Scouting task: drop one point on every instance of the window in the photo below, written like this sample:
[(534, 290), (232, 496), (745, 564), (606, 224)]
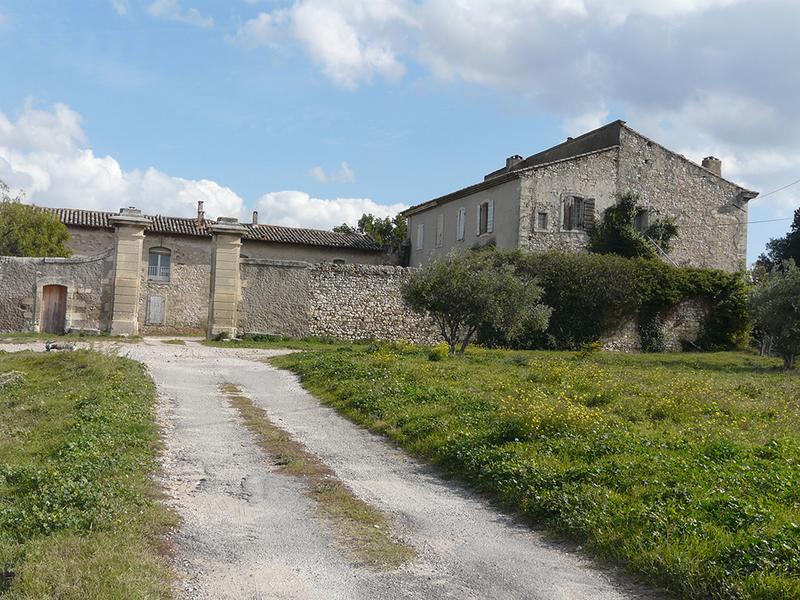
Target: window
[(486, 217), (641, 221), (439, 230), (158, 264), (420, 236), (541, 221), (573, 213), (462, 217)]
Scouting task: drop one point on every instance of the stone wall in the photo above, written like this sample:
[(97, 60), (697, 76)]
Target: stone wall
[(187, 291), (350, 302), (545, 188), (88, 283), (682, 323), (86, 241), (710, 213)]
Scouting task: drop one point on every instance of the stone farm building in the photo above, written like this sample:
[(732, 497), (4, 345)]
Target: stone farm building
[(552, 199), (136, 274)]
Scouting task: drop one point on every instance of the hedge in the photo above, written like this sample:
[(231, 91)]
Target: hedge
[(593, 294)]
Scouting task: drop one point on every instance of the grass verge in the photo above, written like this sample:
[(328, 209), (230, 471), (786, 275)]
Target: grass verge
[(79, 511), (358, 526), (265, 341), (684, 468), (175, 342), (24, 338)]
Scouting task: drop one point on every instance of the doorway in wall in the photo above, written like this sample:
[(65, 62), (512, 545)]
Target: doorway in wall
[(54, 308)]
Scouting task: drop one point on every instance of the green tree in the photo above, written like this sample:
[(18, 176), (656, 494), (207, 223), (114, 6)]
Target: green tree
[(780, 250), (775, 306), (388, 231), (467, 291), (28, 231), (618, 234)]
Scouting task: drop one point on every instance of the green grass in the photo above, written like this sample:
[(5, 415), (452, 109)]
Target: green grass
[(279, 342), (174, 342), (79, 513), (23, 338), (683, 468)]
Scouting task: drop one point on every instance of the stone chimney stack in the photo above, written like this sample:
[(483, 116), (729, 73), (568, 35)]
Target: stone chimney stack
[(255, 217), (513, 161), (713, 164), (201, 214)]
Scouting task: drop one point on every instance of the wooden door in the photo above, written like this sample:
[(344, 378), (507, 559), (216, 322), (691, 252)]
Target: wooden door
[(156, 312), (54, 308)]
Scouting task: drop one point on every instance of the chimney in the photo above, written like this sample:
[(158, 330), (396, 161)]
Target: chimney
[(201, 214), (713, 164), (512, 161), (255, 217)]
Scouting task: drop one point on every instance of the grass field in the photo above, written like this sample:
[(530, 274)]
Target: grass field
[(78, 513), (683, 468)]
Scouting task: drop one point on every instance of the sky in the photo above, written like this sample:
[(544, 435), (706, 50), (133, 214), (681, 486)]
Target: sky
[(315, 111)]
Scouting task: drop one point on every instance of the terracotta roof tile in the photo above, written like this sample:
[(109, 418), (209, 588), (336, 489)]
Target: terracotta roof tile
[(183, 226)]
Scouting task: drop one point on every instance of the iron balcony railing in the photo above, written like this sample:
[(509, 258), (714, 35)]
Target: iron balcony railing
[(158, 273)]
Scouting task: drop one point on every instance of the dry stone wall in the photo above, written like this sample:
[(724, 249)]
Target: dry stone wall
[(349, 302), (683, 323)]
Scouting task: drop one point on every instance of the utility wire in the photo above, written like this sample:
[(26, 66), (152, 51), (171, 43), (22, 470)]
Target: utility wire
[(780, 189)]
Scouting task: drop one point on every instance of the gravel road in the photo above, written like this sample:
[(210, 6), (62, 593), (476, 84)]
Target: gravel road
[(250, 532)]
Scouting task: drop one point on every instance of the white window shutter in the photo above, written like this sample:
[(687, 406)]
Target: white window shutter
[(490, 217), (439, 230), (420, 236), (478, 220), (462, 213)]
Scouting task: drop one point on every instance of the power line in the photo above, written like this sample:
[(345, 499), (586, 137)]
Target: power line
[(780, 189), (735, 224)]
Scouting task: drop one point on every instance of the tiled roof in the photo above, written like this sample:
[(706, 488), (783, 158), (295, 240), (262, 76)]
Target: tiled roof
[(183, 226), (309, 237)]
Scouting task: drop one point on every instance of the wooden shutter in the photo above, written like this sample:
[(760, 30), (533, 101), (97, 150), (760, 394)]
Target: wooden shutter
[(462, 214), (490, 217), (420, 236), (568, 202), (156, 312), (478, 220), (588, 214), (439, 230)]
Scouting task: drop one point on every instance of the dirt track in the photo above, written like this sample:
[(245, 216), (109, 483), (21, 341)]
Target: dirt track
[(249, 532)]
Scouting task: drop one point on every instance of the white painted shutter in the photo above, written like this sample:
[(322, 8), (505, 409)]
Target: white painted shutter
[(462, 214), (490, 217), (478, 220), (439, 230), (156, 312), (420, 236)]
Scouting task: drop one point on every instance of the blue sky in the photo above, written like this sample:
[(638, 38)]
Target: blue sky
[(315, 111)]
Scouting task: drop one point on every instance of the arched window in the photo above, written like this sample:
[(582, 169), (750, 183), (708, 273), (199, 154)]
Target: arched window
[(158, 264)]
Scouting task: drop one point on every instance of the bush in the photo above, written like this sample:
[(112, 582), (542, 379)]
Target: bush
[(775, 305), (591, 295), (466, 291)]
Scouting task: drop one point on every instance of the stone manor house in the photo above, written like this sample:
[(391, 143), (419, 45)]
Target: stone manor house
[(552, 199), (137, 274)]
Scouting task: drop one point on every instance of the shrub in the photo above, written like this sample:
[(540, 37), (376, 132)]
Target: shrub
[(592, 295), (775, 305), (465, 291)]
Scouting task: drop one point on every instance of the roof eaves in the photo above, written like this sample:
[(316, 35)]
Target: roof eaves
[(466, 191)]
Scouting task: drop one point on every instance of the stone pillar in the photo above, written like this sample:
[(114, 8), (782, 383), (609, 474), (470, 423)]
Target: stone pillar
[(129, 225), (225, 289)]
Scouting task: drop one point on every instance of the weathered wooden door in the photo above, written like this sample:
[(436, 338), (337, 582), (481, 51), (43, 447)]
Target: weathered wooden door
[(156, 312), (54, 308)]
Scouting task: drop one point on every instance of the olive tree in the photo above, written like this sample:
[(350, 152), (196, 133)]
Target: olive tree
[(466, 291), (29, 231), (775, 307)]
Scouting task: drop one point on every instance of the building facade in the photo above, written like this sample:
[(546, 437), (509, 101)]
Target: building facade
[(551, 200)]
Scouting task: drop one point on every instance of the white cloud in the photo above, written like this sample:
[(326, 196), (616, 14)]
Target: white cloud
[(298, 209), (173, 11), (46, 153), (121, 6), (345, 174), (262, 30)]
